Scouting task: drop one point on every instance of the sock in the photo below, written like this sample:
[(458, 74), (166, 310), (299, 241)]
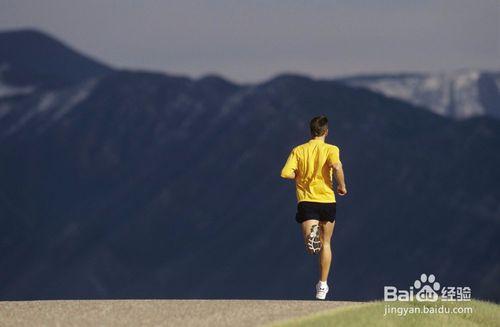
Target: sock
[(322, 283)]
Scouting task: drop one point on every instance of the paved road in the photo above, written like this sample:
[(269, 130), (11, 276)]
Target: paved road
[(189, 313)]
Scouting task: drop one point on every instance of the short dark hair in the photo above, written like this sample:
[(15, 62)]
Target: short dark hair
[(318, 126)]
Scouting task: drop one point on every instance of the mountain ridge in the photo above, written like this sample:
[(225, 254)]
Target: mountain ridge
[(55, 63), (157, 186)]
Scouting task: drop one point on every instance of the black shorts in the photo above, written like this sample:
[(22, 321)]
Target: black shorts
[(315, 210)]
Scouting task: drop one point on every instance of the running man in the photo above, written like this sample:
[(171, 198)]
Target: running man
[(312, 165)]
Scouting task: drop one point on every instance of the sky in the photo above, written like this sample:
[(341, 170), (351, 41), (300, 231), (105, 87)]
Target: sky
[(253, 40)]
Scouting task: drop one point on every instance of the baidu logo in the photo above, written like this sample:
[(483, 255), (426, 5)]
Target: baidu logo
[(427, 289)]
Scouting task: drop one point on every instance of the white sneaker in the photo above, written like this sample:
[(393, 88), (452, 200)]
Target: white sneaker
[(321, 290), (313, 240)]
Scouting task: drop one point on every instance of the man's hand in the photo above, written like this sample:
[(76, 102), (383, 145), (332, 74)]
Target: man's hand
[(341, 190), (338, 173)]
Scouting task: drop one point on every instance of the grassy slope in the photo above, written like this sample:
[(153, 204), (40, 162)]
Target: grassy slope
[(372, 314)]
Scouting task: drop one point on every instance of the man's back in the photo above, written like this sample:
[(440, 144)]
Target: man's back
[(311, 163)]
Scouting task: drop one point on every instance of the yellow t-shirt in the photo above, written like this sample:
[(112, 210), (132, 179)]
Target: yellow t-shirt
[(312, 163)]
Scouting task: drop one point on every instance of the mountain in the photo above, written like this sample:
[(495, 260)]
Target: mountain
[(461, 94), (135, 184), (31, 59)]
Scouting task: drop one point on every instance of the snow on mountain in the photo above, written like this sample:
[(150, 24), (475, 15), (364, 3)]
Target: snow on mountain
[(10, 90), (460, 94), (47, 106)]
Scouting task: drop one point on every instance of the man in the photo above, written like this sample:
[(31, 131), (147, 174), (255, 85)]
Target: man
[(312, 165)]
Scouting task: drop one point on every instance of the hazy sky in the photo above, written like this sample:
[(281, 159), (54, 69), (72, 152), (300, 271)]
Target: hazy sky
[(252, 40)]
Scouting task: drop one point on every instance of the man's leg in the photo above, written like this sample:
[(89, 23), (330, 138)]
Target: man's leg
[(307, 227), (325, 255)]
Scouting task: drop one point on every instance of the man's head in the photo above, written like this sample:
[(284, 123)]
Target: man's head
[(319, 126)]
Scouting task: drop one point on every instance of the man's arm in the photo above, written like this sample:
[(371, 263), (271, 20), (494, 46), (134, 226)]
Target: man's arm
[(338, 173), (290, 167)]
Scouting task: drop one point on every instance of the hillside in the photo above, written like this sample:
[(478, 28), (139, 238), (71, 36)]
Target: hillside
[(142, 185), (483, 314)]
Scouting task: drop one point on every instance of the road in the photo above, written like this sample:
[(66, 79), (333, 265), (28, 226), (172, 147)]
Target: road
[(189, 313)]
